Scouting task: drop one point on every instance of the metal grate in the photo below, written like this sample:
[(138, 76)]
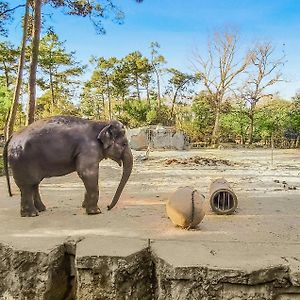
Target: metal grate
[(223, 201)]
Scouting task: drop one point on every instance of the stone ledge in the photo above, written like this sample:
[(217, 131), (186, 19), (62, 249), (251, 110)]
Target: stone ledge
[(101, 267), (208, 271)]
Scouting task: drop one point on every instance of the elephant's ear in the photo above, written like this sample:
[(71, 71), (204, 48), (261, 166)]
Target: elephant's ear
[(106, 137)]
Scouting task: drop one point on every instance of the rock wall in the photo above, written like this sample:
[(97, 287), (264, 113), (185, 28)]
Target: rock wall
[(119, 268), (124, 268), (39, 274), (206, 284)]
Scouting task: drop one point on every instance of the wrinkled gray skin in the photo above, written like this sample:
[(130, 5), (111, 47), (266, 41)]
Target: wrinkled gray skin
[(60, 145)]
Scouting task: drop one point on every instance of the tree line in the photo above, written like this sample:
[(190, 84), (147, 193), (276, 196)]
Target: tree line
[(224, 98)]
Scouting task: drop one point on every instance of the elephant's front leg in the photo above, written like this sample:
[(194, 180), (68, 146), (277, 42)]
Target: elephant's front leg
[(89, 176)]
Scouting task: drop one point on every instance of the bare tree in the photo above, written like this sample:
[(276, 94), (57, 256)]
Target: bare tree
[(219, 70), (14, 106), (263, 73)]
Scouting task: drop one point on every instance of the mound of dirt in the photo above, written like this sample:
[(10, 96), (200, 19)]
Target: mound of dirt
[(198, 160)]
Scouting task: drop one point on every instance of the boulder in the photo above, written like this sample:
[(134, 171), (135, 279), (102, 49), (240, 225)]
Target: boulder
[(138, 138)]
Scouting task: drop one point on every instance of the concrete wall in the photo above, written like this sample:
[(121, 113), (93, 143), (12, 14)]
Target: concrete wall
[(157, 138)]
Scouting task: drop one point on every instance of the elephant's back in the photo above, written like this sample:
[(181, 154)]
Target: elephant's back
[(48, 127), (50, 135)]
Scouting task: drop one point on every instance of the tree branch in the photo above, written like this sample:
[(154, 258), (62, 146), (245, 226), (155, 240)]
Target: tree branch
[(2, 13)]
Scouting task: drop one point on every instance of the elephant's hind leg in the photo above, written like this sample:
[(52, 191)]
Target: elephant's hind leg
[(27, 203), (39, 205)]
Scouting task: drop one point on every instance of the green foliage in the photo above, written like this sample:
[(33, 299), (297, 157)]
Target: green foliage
[(203, 109), (92, 102), (108, 80), (95, 10), (271, 118), (112, 81), (161, 116), (8, 63), (6, 97), (59, 77), (5, 103), (138, 71), (234, 123), (63, 106), (293, 122), (178, 84), (133, 113)]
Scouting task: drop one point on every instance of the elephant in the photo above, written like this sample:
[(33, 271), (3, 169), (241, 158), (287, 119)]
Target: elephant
[(61, 145)]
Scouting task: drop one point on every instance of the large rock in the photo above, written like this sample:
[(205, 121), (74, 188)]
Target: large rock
[(36, 269), (179, 141), (157, 138), (209, 271), (114, 268), (138, 138), (168, 138)]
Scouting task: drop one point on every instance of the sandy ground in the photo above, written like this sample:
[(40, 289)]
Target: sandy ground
[(266, 223)]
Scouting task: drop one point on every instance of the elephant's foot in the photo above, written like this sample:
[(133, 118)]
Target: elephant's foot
[(29, 212), (40, 206), (93, 211)]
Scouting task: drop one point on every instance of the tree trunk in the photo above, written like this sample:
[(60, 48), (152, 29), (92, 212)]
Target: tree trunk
[(297, 141), (98, 110), (6, 126), (109, 100), (14, 106), (147, 91), (103, 104), (52, 90), (175, 95), (137, 87), (251, 126), (158, 90), (51, 84), (215, 134), (34, 61), (173, 102), (6, 74)]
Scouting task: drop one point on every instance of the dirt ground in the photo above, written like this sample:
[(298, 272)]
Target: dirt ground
[(268, 191)]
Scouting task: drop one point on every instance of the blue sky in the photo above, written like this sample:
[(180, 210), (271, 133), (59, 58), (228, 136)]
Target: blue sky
[(181, 25)]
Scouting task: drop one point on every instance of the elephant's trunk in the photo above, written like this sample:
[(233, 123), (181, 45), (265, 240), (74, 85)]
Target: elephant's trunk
[(127, 168)]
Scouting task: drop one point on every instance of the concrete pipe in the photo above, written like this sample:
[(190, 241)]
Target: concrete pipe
[(223, 200), (185, 207)]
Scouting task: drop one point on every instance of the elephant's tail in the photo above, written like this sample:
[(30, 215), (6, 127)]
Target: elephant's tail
[(5, 163)]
